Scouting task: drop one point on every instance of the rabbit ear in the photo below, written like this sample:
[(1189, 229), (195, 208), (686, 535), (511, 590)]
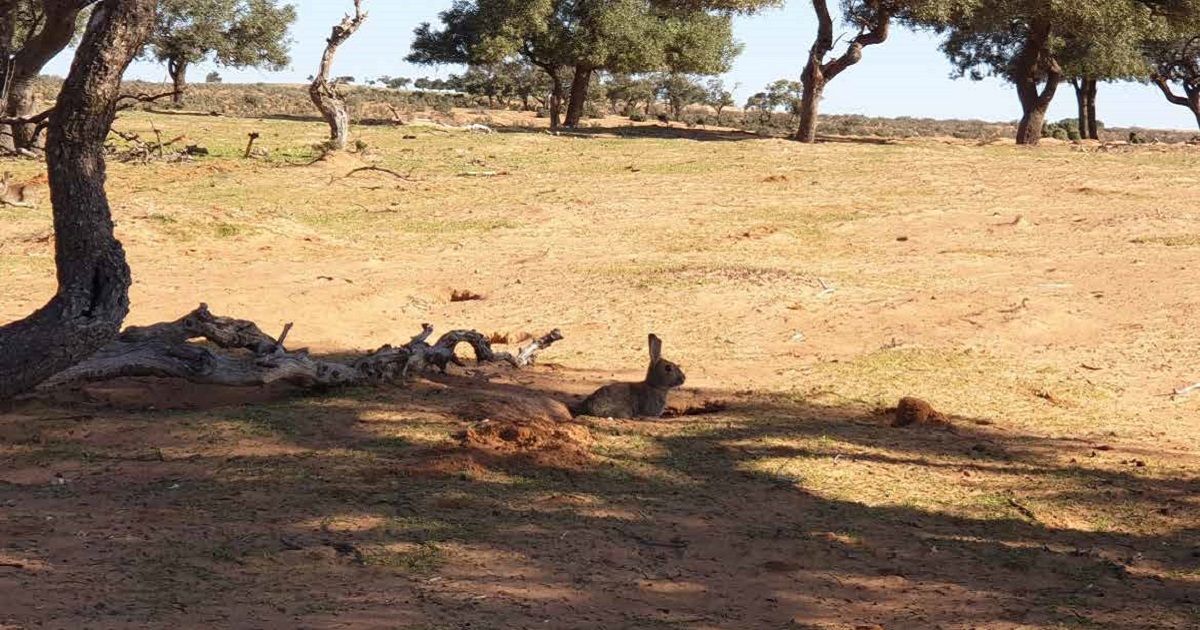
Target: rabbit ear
[(655, 348)]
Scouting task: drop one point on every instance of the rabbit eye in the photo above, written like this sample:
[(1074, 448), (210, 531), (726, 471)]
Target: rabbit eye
[(668, 368)]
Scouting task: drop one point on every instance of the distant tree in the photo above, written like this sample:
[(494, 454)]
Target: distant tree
[(1089, 58), (213, 77), (872, 19), (235, 33), (1026, 42), (323, 92), (582, 38), (760, 102), (679, 91), (1176, 62), (395, 83), (32, 32), (717, 97), (345, 79), (627, 93), (788, 96)]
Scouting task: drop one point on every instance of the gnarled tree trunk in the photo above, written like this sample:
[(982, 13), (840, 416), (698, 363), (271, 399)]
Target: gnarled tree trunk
[(579, 94), (324, 94), (1035, 65), (818, 73), (93, 277)]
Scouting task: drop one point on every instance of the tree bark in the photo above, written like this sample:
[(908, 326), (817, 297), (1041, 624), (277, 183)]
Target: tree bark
[(818, 73), (93, 277), (324, 94), (1093, 124), (579, 94), (177, 68), (810, 101), (1081, 102), (1034, 61), (8, 27), (556, 99)]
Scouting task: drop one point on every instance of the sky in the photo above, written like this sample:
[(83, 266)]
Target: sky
[(905, 76)]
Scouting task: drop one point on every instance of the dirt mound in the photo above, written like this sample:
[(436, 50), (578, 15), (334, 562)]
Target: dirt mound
[(514, 407), (912, 411), (528, 435)]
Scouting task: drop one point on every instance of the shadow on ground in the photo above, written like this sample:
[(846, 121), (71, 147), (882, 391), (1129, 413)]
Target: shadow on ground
[(355, 509)]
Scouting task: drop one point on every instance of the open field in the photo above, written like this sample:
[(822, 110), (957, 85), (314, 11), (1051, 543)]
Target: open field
[(1045, 299)]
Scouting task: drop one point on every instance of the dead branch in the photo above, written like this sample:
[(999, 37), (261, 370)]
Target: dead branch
[(237, 352), (253, 135), (141, 151), (128, 101), (528, 354)]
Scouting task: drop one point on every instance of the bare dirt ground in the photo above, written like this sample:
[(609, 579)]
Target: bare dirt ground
[(1045, 301)]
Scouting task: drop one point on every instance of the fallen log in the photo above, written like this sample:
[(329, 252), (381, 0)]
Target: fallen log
[(211, 349)]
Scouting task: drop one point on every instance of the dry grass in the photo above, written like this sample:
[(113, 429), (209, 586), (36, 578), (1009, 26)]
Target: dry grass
[(810, 286)]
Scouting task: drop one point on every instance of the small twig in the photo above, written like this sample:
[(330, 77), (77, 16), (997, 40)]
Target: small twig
[(381, 170), (287, 328), (528, 354), (825, 288), (1026, 512)]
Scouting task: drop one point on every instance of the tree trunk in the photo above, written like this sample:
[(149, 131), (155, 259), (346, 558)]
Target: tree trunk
[(53, 34), (814, 85), (8, 28), (556, 93), (178, 68), (817, 73), (93, 277), (20, 105), (324, 94), (1034, 61), (1081, 101), (1093, 125), (579, 94)]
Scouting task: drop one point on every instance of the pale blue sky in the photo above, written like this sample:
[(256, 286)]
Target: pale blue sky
[(906, 76)]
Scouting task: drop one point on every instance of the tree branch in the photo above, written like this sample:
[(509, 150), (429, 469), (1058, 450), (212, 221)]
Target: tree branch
[(1172, 97), (875, 33)]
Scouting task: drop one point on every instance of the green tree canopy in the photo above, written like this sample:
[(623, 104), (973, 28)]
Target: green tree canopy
[(234, 33), (1035, 44), (582, 37)]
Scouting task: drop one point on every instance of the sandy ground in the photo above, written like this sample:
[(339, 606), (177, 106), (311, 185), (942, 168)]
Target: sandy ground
[(1044, 300)]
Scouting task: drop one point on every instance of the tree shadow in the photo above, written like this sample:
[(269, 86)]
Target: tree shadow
[(354, 508)]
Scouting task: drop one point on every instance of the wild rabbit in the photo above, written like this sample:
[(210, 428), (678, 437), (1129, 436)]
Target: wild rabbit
[(634, 400), (14, 194)]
